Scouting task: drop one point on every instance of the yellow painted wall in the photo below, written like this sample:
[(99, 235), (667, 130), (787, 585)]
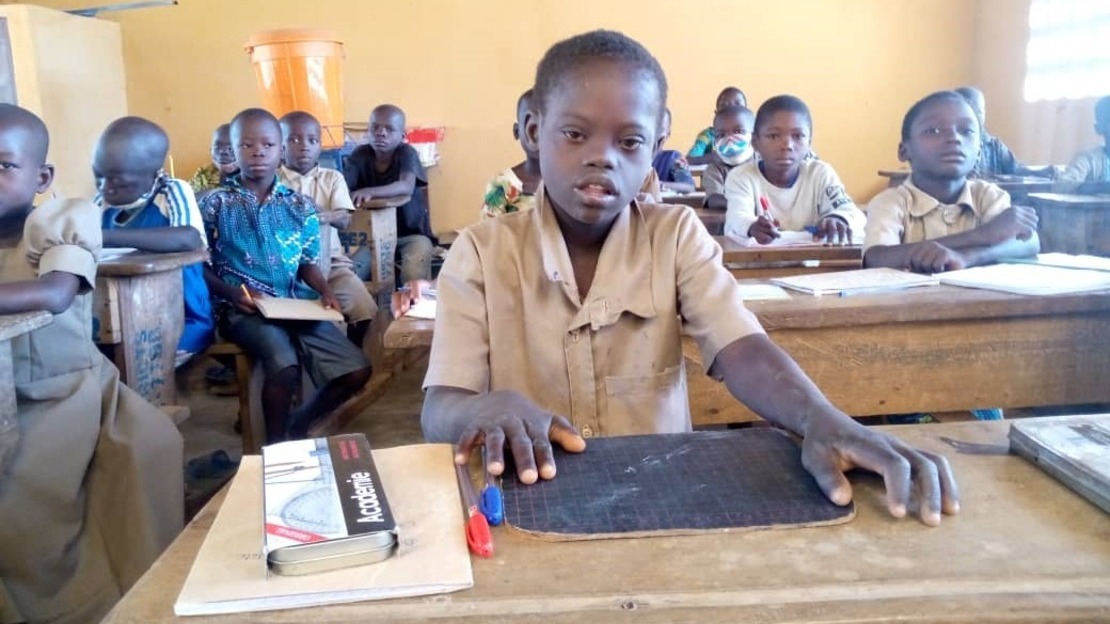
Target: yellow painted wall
[(69, 71), (1038, 132), (462, 63)]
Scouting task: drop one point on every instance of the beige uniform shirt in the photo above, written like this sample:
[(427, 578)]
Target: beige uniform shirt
[(906, 214), (510, 317), (817, 193), (328, 190)]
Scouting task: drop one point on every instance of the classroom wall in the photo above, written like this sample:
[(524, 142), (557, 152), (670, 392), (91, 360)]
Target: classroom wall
[(462, 63), (69, 71), (1037, 132)]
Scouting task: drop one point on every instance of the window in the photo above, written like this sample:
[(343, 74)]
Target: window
[(1069, 49)]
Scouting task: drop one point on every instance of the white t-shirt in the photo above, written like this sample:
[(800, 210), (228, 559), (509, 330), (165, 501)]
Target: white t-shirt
[(816, 193)]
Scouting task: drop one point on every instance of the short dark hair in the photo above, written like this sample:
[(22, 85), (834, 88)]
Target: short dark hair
[(932, 98), (728, 90), (1102, 108), (254, 114), (525, 100), (734, 109), (782, 103), (607, 45), (297, 117), (16, 116)]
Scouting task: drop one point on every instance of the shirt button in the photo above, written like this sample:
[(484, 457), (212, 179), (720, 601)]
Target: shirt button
[(587, 432)]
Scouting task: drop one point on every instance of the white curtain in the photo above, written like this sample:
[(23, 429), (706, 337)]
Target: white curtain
[(1068, 55)]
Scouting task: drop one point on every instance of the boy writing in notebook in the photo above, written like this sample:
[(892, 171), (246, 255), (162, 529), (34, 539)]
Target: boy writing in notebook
[(301, 172), (266, 243), (1090, 167), (591, 291), (388, 167), (732, 125), (939, 219), (146, 209), (787, 188)]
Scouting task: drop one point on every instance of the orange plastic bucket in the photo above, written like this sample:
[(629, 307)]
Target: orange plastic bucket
[(301, 69)]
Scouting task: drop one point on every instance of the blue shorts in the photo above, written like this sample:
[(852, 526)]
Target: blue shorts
[(318, 346)]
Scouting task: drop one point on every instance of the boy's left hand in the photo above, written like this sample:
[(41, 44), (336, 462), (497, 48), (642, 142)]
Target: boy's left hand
[(831, 447), (833, 231), (328, 300)]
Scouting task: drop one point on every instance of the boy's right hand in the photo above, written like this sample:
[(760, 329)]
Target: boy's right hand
[(763, 230), (408, 295), (932, 257), (361, 196), (507, 416), (245, 300), (1018, 222)]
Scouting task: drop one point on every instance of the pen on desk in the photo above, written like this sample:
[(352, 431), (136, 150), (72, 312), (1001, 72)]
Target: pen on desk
[(478, 536), (491, 503)]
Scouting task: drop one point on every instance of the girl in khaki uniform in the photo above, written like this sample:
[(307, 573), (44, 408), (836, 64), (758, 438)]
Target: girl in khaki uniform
[(91, 487)]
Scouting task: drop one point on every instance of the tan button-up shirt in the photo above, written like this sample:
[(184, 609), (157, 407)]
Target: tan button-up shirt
[(510, 317), (328, 190), (906, 214)]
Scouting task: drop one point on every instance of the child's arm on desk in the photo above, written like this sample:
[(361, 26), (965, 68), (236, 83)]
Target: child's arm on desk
[(495, 419), (159, 239), (336, 218), (763, 377), (53, 292), (405, 185)]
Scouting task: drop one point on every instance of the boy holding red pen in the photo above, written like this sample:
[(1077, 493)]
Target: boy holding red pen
[(785, 190)]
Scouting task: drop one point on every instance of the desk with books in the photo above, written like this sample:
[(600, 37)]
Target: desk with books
[(139, 311), (1074, 224), (1023, 548), (935, 348)]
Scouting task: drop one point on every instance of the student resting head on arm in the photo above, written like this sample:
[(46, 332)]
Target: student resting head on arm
[(566, 321), (938, 219)]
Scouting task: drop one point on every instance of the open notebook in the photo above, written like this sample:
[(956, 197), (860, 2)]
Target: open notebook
[(296, 309), (862, 281), (1029, 279)]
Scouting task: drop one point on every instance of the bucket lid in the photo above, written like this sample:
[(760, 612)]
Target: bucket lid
[(291, 35)]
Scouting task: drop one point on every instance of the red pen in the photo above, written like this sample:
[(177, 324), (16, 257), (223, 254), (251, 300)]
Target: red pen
[(766, 206), (478, 536)]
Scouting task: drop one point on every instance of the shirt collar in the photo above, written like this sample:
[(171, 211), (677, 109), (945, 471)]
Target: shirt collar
[(924, 203), (296, 176), (234, 182), (623, 279)]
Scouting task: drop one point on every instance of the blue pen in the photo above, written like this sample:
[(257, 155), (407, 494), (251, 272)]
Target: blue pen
[(491, 503), (812, 229)]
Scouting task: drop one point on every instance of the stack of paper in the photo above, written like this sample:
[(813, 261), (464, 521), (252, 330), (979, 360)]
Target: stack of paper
[(229, 574), (1067, 261), (855, 282), (1029, 279)]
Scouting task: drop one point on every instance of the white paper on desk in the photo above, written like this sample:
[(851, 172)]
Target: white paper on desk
[(761, 292), (229, 573), (789, 238), (111, 253), (296, 309), (1028, 279), (1066, 261), (423, 309), (859, 281)]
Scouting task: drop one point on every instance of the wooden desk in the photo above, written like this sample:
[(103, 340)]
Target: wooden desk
[(938, 348), (714, 220), (11, 326), (1023, 549), (1075, 224), (139, 310), (693, 200), (697, 171), (761, 261), (1019, 187), (375, 226), (408, 333), (894, 176)]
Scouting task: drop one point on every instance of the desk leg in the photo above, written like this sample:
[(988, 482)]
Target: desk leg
[(9, 426), (378, 228), (152, 317)]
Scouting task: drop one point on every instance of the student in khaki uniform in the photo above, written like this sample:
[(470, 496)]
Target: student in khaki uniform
[(939, 219), (301, 172), (565, 322), (90, 481), (787, 188)]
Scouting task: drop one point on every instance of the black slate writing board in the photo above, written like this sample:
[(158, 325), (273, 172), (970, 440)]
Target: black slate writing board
[(673, 484)]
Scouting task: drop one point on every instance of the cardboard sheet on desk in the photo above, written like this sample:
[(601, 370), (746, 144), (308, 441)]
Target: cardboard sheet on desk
[(674, 484), (229, 573), (296, 309)]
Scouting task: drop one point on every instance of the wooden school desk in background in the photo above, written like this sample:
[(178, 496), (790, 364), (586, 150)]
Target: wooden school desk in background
[(139, 311), (375, 226), (697, 171), (894, 176), (713, 220), (930, 349), (693, 200), (1019, 187), (759, 261), (11, 326), (1023, 548), (1074, 224)]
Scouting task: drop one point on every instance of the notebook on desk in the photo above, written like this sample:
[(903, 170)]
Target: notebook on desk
[(296, 309), (1066, 261), (1029, 279), (855, 282)]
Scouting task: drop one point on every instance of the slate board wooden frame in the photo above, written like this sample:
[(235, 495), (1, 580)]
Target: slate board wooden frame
[(7, 68)]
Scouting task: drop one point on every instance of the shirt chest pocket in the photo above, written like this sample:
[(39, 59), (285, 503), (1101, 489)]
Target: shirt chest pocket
[(654, 403)]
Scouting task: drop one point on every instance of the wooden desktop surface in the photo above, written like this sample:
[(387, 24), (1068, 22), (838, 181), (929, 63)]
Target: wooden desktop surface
[(1074, 224), (1023, 549), (145, 263)]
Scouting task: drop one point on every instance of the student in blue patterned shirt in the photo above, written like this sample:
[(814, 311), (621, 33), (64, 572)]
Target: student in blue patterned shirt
[(265, 241)]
